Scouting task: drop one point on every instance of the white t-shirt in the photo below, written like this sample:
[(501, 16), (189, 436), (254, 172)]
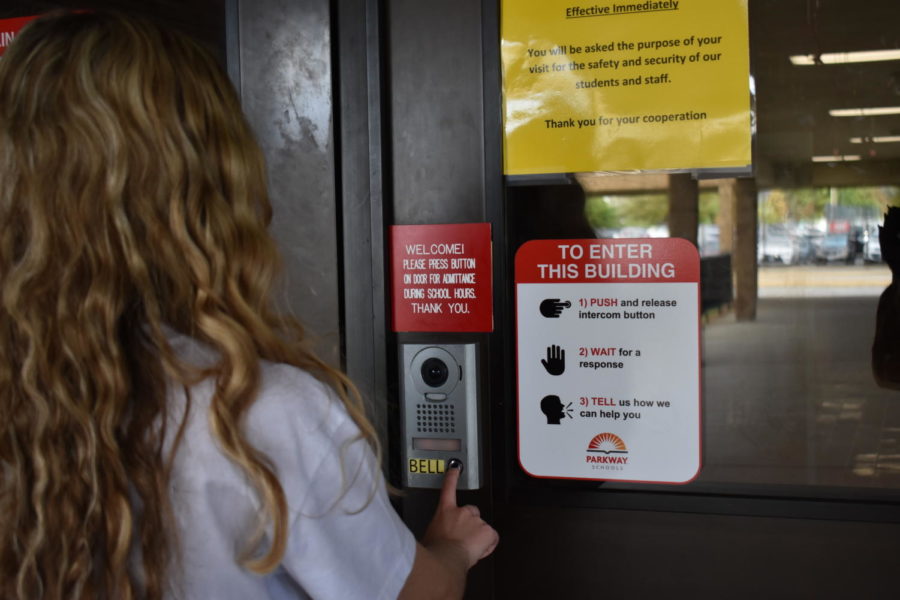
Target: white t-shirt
[(338, 545)]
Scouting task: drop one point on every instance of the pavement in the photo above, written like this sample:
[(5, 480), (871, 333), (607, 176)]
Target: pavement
[(789, 399), (818, 281)]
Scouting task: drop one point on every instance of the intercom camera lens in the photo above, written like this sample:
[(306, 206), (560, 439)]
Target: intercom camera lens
[(435, 372)]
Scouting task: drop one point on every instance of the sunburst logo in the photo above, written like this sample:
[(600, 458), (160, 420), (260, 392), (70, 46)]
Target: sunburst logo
[(607, 443)]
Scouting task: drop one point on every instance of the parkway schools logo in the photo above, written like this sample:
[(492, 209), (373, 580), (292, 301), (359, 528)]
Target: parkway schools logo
[(607, 449)]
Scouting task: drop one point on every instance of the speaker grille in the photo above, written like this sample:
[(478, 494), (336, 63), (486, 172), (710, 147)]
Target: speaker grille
[(436, 419)]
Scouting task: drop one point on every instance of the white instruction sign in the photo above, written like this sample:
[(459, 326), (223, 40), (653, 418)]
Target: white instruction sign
[(608, 338)]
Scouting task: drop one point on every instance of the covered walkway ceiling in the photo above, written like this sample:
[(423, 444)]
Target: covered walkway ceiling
[(793, 102)]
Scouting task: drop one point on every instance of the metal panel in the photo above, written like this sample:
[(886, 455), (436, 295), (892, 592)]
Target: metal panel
[(436, 84), (436, 103), (589, 553), (361, 190), (285, 66)]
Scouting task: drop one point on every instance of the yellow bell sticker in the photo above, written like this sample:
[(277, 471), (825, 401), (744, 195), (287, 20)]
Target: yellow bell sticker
[(427, 466), (625, 86)]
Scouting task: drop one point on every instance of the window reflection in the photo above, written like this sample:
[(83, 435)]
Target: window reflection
[(789, 398)]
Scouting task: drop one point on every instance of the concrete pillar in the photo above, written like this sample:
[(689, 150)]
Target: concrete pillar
[(744, 255), (274, 37), (684, 214), (725, 217)]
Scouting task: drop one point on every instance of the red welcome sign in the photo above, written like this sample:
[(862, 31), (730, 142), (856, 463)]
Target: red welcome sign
[(9, 28), (441, 277)]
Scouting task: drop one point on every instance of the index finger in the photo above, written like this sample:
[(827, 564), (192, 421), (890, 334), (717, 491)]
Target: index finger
[(448, 489)]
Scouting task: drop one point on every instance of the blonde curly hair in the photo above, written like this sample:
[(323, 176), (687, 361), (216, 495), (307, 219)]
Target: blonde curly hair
[(133, 200)]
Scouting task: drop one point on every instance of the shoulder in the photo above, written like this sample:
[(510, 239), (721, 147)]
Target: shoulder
[(295, 413), (289, 399), (288, 393), (296, 420)]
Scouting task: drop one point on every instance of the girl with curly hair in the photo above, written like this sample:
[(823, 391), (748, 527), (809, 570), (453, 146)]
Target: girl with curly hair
[(166, 432)]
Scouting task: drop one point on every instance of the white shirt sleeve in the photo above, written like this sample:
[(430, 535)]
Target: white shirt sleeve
[(350, 546), (345, 541)]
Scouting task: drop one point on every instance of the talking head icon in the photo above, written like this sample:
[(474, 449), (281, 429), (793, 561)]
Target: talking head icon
[(553, 409)]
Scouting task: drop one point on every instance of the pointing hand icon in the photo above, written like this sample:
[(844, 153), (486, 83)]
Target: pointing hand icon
[(552, 307), (556, 360)]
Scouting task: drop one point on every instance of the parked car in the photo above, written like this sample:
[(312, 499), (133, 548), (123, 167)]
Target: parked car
[(856, 244), (872, 252), (805, 246), (775, 247), (708, 239), (834, 247)]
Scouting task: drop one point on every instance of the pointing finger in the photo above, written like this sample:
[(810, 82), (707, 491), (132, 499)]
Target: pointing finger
[(448, 489)]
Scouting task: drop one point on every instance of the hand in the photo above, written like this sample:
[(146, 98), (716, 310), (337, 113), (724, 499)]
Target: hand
[(552, 307), (459, 530), (556, 360)]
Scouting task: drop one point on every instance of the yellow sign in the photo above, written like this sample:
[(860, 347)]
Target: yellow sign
[(623, 86), (427, 466)]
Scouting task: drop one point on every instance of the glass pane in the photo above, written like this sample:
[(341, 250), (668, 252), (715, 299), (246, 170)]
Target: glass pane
[(788, 390)]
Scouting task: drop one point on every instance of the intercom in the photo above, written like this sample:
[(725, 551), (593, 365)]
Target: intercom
[(439, 395)]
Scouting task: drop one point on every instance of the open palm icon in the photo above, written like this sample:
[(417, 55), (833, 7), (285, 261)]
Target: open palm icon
[(555, 362)]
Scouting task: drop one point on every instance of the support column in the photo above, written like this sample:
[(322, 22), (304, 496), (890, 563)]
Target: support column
[(273, 37), (725, 216), (684, 200), (744, 256)]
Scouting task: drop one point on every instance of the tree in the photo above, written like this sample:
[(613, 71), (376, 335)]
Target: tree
[(601, 214), (774, 207), (807, 204), (709, 206), (867, 197), (643, 210)]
